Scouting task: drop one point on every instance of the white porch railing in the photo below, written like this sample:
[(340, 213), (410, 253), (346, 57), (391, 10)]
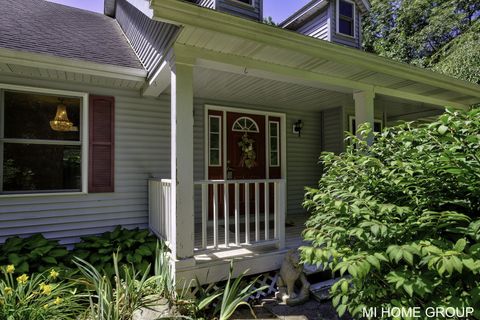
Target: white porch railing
[(160, 218), (243, 224)]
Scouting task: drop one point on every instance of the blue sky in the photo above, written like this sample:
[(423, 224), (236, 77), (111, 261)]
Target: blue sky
[(277, 9)]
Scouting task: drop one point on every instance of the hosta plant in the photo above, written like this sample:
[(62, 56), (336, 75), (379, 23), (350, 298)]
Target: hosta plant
[(136, 247), (37, 296), (401, 217), (34, 254)]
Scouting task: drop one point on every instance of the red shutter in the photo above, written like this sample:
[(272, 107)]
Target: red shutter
[(101, 144)]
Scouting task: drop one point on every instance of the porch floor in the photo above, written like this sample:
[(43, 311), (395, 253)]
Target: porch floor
[(212, 265)]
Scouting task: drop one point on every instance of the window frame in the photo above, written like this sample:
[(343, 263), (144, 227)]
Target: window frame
[(82, 142), (250, 4), (354, 19), (220, 144), (352, 118), (277, 136), (257, 130)]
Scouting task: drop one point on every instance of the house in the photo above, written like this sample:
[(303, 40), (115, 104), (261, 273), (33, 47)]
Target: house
[(191, 118)]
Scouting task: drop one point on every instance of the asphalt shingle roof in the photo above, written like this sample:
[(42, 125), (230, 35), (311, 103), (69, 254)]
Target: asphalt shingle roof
[(44, 27)]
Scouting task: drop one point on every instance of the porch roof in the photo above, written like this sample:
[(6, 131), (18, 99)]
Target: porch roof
[(231, 44)]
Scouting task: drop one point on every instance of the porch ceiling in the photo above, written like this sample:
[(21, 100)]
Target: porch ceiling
[(227, 86), (213, 36)]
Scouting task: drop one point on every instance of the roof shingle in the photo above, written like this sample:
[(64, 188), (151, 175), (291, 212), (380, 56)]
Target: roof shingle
[(44, 27)]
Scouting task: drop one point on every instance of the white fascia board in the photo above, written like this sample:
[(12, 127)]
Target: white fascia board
[(190, 15), (39, 60)]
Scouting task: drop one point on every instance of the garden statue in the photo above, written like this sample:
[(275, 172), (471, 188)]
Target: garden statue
[(290, 272)]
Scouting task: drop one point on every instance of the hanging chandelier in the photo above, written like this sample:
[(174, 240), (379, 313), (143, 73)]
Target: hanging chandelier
[(61, 121)]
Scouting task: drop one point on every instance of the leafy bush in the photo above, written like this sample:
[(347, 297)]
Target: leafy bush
[(135, 247), (37, 296), (402, 217), (33, 254)]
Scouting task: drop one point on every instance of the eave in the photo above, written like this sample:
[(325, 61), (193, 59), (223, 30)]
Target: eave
[(187, 15)]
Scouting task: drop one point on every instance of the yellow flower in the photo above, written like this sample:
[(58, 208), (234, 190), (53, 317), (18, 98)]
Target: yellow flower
[(53, 274), (22, 279), (45, 306), (10, 268), (58, 300), (8, 290), (46, 288)]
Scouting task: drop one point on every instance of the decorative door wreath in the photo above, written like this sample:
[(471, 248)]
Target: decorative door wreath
[(248, 152)]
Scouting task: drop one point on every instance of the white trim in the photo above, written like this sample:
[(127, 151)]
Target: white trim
[(277, 124), (283, 134), (351, 118), (220, 144), (83, 138), (39, 60), (248, 130), (337, 18)]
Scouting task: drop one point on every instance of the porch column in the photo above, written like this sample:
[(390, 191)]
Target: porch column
[(182, 158), (364, 110)]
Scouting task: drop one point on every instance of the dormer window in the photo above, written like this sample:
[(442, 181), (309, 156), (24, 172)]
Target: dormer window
[(249, 2), (346, 17)]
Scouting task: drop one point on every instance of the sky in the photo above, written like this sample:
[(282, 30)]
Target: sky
[(279, 10)]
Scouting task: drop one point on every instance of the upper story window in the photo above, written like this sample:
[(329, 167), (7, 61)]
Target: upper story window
[(40, 143), (346, 17), (249, 2)]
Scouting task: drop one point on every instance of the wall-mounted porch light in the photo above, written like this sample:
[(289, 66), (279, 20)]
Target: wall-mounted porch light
[(297, 127)]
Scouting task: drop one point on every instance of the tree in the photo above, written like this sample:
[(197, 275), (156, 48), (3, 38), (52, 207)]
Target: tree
[(442, 35), (269, 20)]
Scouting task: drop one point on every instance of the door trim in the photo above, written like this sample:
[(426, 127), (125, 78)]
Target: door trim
[(225, 109)]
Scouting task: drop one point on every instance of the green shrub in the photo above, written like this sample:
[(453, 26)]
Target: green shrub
[(402, 217), (37, 296), (136, 247), (34, 254)]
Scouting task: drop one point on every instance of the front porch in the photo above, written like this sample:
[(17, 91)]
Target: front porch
[(218, 68), (241, 235)]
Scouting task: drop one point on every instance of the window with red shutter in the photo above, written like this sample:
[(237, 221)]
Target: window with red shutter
[(101, 144)]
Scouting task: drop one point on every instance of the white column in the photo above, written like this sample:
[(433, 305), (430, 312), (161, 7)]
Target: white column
[(364, 109), (182, 158)]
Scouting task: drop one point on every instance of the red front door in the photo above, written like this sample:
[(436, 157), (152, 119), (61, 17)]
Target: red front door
[(245, 156), (245, 146)]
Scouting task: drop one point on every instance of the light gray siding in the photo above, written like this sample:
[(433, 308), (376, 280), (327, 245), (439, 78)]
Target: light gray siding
[(142, 144), (238, 8), (302, 152), (150, 39), (339, 38), (317, 27), (332, 124)]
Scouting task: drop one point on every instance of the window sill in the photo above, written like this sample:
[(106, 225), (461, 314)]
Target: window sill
[(240, 3), (35, 195), (345, 35)]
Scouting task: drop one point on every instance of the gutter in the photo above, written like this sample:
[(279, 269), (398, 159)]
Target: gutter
[(182, 13)]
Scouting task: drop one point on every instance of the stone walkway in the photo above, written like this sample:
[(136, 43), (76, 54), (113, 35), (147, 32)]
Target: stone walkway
[(270, 309)]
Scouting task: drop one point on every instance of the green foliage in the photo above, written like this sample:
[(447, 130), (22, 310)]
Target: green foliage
[(37, 297), (34, 254), (219, 304), (135, 247), (426, 33), (269, 20), (117, 299), (402, 217)]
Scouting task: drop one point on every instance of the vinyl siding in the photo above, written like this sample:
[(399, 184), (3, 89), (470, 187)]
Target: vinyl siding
[(151, 44), (240, 9), (142, 144), (333, 130), (339, 38), (302, 152), (317, 27)]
